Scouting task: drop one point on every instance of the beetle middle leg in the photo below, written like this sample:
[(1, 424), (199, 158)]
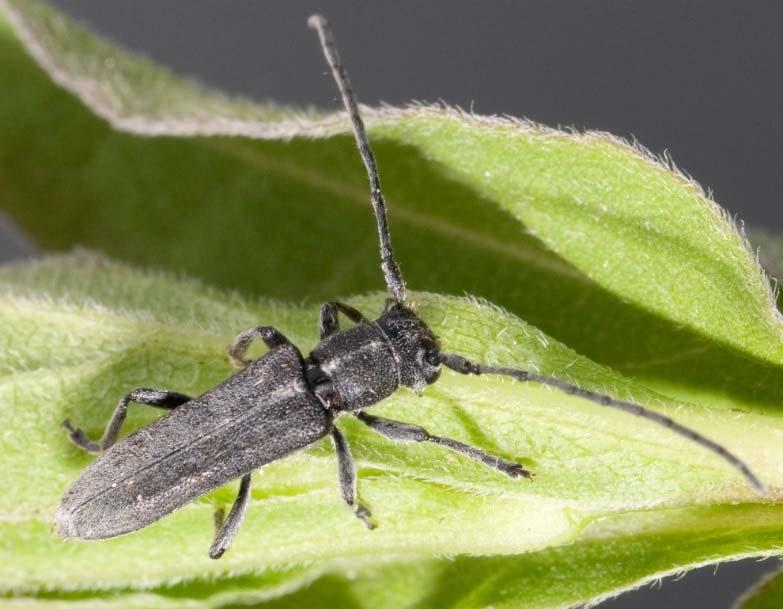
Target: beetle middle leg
[(272, 338), (329, 323), (347, 476), (227, 530), (148, 397), (405, 432)]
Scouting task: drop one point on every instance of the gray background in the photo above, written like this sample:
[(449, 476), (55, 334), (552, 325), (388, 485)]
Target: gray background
[(702, 80)]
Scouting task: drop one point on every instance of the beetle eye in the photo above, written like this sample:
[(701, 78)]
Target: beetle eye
[(432, 358)]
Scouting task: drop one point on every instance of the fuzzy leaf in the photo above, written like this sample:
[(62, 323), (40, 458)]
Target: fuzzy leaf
[(767, 594), (588, 238), (79, 331), (585, 236), (770, 251)]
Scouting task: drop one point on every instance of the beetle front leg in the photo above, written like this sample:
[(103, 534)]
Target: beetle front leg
[(227, 529), (148, 397), (347, 476), (329, 323), (272, 338), (405, 432)]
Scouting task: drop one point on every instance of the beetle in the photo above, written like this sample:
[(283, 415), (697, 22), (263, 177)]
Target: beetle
[(283, 402)]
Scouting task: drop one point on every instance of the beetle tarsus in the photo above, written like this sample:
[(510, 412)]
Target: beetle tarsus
[(363, 514), (270, 336), (515, 470), (78, 437)]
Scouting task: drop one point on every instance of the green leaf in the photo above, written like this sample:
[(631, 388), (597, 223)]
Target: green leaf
[(596, 567), (770, 251), (601, 565), (588, 238), (767, 594), (79, 331), (584, 236)]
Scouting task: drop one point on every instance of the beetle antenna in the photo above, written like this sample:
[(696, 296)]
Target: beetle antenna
[(462, 365), (391, 269)]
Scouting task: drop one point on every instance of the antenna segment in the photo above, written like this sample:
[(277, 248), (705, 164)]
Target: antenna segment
[(391, 270), (463, 366)]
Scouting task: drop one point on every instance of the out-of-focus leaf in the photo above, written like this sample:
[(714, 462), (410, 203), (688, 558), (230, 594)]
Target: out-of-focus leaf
[(767, 594), (588, 238)]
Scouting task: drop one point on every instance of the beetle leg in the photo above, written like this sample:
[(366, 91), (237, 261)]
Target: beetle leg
[(329, 323), (148, 397), (405, 432), (227, 529), (347, 476), (271, 337)]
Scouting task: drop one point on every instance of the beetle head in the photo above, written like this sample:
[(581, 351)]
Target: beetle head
[(415, 345)]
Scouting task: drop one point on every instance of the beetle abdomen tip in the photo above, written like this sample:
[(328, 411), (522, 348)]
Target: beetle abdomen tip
[(64, 524)]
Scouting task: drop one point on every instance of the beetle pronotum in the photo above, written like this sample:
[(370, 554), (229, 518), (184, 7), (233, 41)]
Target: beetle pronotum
[(283, 402)]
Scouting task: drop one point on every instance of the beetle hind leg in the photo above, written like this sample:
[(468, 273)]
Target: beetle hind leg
[(228, 528), (147, 397), (347, 476)]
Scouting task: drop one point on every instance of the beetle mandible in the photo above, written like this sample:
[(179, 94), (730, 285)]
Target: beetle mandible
[(283, 402)]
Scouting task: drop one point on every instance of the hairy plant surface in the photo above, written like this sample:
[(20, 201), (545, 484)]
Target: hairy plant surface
[(629, 281)]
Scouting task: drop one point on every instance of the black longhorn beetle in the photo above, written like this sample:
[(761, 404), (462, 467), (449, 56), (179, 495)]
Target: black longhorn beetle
[(283, 402)]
